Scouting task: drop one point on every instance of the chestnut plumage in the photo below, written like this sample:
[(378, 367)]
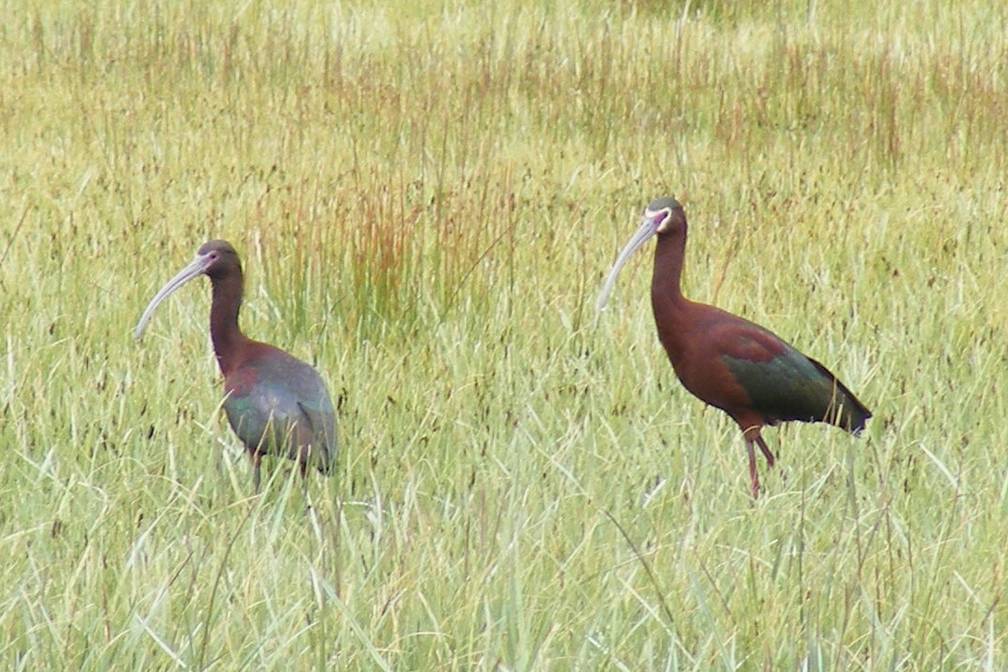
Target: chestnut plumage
[(274, 402), (726, 361)]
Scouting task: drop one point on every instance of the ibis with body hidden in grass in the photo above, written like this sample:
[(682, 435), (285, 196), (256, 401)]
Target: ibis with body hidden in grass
[(729, 362), (274, 402)]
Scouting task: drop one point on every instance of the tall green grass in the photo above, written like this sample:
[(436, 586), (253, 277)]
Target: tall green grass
[(426, 198)]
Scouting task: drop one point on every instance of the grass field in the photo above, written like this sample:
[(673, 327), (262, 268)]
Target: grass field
[(427, 199)]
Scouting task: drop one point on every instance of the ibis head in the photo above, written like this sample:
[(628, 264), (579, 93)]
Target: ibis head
[(216, 259), (662, 216)]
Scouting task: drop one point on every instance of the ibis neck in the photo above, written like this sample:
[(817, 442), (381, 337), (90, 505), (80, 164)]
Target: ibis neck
[(668, 264), (224, 330), (670, 308)]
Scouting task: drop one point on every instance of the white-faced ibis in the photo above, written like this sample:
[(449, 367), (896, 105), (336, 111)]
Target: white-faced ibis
[(726, 361), (275, 403)]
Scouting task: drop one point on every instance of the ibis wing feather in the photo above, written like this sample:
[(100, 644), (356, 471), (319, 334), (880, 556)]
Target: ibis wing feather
[(857, 413), (280, 405), (321, 418), (781, 382), (790, 386)]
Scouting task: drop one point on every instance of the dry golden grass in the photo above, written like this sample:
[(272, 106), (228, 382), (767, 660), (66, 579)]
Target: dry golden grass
[(427, 197)]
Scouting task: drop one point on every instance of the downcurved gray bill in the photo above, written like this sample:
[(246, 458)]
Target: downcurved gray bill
[(648, 228), (194, 269)]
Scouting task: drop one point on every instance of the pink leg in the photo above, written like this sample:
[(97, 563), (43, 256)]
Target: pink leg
[(256, 461), (753, 473), (766, 451)]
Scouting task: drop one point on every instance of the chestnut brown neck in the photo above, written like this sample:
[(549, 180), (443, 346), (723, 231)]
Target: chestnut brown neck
[(224, 330), (667, 300), (668, 265)]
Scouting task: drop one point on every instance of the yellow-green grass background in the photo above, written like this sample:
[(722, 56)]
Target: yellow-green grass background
[(427, 196)]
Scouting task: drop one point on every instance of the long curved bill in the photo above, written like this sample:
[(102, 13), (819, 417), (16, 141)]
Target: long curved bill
[(648, 228), (195, 268)]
